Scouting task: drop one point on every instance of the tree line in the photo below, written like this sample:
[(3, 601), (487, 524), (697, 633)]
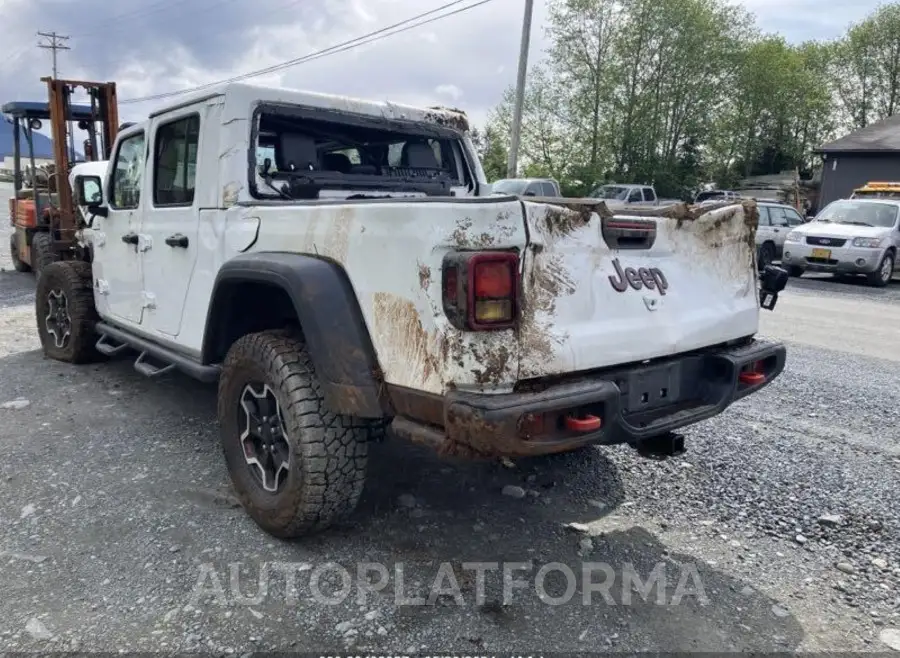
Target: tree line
[(684, 92)]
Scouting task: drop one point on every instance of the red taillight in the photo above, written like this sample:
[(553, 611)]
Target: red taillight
[(480, 289), (493, 279)]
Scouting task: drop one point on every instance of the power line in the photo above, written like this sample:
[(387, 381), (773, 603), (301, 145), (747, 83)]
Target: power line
[(54, 42), (371, 37)]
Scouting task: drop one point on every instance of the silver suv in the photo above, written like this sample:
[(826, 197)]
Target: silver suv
[(849, 236), (776, 221)]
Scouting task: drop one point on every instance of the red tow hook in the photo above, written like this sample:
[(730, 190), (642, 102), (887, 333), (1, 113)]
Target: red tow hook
[(751, 378), (588, 423)]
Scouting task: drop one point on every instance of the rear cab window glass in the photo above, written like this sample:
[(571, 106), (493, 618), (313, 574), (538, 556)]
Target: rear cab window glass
[(649, 194), (320, 150)]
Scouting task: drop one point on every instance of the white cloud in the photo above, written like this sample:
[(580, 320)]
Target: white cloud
[(451, 91), (150, 50)]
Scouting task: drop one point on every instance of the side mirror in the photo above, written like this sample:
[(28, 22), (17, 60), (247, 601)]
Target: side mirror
[(88, 191)]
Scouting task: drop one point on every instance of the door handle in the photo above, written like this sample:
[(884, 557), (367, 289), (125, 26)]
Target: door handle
[(130, 238), (177, 240)]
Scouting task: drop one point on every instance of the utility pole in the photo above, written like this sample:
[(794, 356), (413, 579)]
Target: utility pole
[(54, 42), (516, 130)]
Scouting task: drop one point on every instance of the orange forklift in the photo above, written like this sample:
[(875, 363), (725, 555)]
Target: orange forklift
[(42, 210)]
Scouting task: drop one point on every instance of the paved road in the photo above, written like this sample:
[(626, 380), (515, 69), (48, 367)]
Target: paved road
[(116, 513)]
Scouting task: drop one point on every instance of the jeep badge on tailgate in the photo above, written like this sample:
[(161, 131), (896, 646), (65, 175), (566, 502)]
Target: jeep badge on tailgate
[(651, 277)]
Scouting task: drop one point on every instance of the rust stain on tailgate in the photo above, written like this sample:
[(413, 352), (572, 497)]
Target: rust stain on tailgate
[(547, 278)]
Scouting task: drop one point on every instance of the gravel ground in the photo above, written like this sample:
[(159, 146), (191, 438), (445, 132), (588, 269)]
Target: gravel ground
[(779, 526)]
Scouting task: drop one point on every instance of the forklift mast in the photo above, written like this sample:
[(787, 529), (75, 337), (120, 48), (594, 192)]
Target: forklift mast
[(104, 110)]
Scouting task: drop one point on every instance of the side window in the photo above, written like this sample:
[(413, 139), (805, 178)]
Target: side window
[(779, 217), (649, 194), (175, 162), (794, 218), (764, 215), (635, 196), (533, 189), (126, 181), (548, 189)]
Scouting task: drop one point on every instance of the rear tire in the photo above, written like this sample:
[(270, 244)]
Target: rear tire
[(885, 272), (66, 316), (296, 467), (793, 270), (41, 253), (18, 263)]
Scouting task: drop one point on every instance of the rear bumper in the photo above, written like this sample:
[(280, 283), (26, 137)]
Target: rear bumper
[(634, 404)]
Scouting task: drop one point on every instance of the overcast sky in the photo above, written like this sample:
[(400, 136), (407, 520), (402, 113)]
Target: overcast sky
[(153, 46)]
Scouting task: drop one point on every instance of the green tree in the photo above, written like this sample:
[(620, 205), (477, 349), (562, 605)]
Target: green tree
[(867, 68)]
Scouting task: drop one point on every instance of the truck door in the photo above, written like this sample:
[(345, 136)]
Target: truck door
[(171, 220), (116, 237)]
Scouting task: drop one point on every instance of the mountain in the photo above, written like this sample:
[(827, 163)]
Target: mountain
[(43, 145)]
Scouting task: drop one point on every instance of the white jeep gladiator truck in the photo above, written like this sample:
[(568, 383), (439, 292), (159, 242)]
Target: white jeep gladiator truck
[(339, 266)]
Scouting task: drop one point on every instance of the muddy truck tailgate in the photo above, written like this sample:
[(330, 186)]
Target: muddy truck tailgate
[(602, 288)]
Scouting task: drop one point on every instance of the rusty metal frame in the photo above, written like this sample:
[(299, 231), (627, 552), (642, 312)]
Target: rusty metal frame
[(103, 96)]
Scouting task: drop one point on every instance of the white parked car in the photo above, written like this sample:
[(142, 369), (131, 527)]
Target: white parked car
[(776, 220), (849, 236)]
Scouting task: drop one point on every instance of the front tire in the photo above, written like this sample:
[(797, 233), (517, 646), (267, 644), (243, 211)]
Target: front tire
[(882, 276), (66, 315), (793, 270), (296, 467)]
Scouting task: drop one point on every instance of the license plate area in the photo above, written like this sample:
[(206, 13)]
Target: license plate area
[(821, 253), (651, 387)]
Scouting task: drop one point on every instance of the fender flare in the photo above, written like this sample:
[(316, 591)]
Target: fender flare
[(330, 318)]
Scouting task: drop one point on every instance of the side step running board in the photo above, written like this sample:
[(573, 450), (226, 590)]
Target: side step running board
[(105, 347), (143, 366), (170, 359)]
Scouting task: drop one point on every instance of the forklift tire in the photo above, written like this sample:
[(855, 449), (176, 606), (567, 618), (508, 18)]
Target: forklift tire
[(18, 263), (66, 315), (41, 253)]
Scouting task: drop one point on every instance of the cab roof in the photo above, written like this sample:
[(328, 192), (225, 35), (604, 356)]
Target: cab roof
[(38, 110)]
